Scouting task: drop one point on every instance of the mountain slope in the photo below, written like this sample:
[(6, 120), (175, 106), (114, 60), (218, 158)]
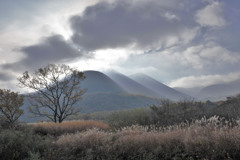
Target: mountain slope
[(189, 91), (219, 91), (95, 82), (161, 89), (94, 102), (98, 82), (130, 85)]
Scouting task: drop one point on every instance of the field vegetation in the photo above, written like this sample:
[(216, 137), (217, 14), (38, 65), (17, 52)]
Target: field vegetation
[(174, 130), (211, 138), (57, 129)]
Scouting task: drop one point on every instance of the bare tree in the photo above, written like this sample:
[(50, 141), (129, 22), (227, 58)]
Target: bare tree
[(57, 90), (10, 103)]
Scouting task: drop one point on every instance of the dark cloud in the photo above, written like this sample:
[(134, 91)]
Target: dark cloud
[(53, 49), (123, 23), (5, 76)]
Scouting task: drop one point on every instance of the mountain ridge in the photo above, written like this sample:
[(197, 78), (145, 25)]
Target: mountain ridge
[(96, 81), (161, 89), (131, 86)]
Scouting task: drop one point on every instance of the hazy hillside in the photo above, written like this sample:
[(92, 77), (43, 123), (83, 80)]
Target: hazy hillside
[(189, 91), (161, 89), (213, 92), (98, 82), (95, 102), (219, 91), (27, 116), (130, 85)]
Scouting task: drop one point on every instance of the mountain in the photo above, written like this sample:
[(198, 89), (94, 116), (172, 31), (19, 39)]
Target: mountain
[(161, 89), (219, 91), (27, 116), (98, 82), (116, 91), (94, 102), (130, 85), (95, 82), (103, 94), (189, 91)]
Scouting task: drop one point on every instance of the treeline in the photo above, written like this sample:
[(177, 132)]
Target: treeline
[(169, 113)]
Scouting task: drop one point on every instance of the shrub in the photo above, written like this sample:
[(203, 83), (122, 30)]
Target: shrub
[(170, 113), (229, 109), (19, 145), (124, 118)]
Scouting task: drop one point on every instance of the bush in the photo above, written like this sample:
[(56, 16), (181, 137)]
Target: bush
[(171, 113), (19, 145), (120, 119), (229, 109)]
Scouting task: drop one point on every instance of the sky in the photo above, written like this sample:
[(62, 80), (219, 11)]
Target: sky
[(182, 43)]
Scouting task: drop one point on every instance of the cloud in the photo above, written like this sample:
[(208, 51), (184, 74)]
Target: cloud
[(8, 80), (5, 76), (177, 61), (208, 55), (211, 15), (162, 65), (166, 39), (204, 80), (143, 24), (53, 49), (219, 54)]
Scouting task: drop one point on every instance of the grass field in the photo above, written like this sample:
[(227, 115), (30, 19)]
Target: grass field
[(204, 139), (57, 129)]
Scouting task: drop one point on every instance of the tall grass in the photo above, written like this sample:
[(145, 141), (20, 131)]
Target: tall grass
[(56, 129), (211, 138), (207, 138)]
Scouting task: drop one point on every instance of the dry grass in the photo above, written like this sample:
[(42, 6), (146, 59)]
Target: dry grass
[(57, 129), (204, 139)]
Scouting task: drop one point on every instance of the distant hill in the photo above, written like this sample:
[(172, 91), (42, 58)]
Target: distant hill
[(130, 85), (94, 102), (27, 116), (161, 89), (98, 82), (189, 91), (219, 91), (213, 92)]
